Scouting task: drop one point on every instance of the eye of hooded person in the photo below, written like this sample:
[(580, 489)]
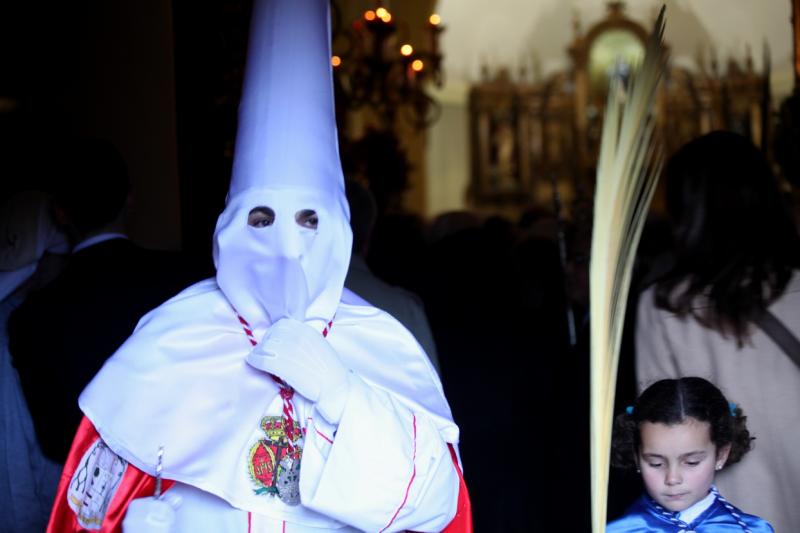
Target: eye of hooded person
[(307, 218), (261, 217)]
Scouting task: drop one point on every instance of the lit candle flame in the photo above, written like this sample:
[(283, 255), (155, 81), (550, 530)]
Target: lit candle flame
[(406, 49), (435, 19), (417, 65)]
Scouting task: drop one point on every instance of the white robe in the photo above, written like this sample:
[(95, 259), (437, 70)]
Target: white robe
[(181, 382)]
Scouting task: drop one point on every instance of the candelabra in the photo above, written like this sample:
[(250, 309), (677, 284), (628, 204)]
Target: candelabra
[(376, 67)]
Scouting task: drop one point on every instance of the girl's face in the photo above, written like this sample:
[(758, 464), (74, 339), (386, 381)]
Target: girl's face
[(678, 462)]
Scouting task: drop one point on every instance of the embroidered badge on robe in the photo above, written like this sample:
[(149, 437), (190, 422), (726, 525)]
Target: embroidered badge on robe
[(275, 460), (94, 484)]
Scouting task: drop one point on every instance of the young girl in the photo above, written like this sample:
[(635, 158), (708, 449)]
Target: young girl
[(677, 435)]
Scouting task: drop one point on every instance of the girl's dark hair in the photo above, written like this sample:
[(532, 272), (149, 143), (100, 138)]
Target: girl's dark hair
[(735, 242), (672, 401)]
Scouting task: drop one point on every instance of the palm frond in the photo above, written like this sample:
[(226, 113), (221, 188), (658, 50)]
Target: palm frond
[(627, 172)]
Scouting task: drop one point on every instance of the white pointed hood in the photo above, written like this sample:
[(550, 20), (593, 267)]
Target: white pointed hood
[(287, 160)]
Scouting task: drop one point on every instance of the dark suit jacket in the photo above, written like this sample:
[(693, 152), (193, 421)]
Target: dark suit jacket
[(61, 336)]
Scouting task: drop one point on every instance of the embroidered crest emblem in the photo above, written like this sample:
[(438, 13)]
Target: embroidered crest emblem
[(94, 484), (275, 460)]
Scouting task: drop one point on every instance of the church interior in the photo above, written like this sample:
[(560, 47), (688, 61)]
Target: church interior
[(506, 111)]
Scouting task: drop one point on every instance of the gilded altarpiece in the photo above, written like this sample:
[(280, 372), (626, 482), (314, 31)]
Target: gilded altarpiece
[(527, 137)]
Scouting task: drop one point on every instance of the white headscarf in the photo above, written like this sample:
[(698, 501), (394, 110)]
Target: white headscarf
[(286, 160), (27, 231)]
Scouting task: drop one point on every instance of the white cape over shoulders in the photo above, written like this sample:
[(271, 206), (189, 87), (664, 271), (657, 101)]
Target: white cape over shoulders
[(181, 381)]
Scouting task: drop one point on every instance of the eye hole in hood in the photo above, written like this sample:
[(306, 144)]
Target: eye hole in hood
[(307, 218), (261, 217)]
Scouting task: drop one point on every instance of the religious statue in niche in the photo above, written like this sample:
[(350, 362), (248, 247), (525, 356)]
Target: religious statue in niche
[(501, 141), (503, 153), (613, 55)]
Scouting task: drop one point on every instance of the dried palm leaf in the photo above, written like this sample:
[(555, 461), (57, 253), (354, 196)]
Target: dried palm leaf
[(627, 172)]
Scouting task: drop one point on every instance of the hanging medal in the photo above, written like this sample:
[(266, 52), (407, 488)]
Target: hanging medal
[(274, 460)]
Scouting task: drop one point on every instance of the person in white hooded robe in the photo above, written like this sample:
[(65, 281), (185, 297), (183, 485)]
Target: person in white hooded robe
[(270, 398)]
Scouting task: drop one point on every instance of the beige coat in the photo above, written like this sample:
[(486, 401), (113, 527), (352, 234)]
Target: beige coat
[(759, 377)]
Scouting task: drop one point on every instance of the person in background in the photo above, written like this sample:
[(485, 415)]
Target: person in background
[(735, 268), (32, 252), (62, 334), (402, 304)]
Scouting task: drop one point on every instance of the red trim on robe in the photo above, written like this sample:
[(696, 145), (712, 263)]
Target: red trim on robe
[(137, 484), (321, 434), (462, 521), (134, 484), (410, 481)]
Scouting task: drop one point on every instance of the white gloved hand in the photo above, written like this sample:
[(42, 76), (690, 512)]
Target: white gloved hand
[(302, 357), (151, 515)]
